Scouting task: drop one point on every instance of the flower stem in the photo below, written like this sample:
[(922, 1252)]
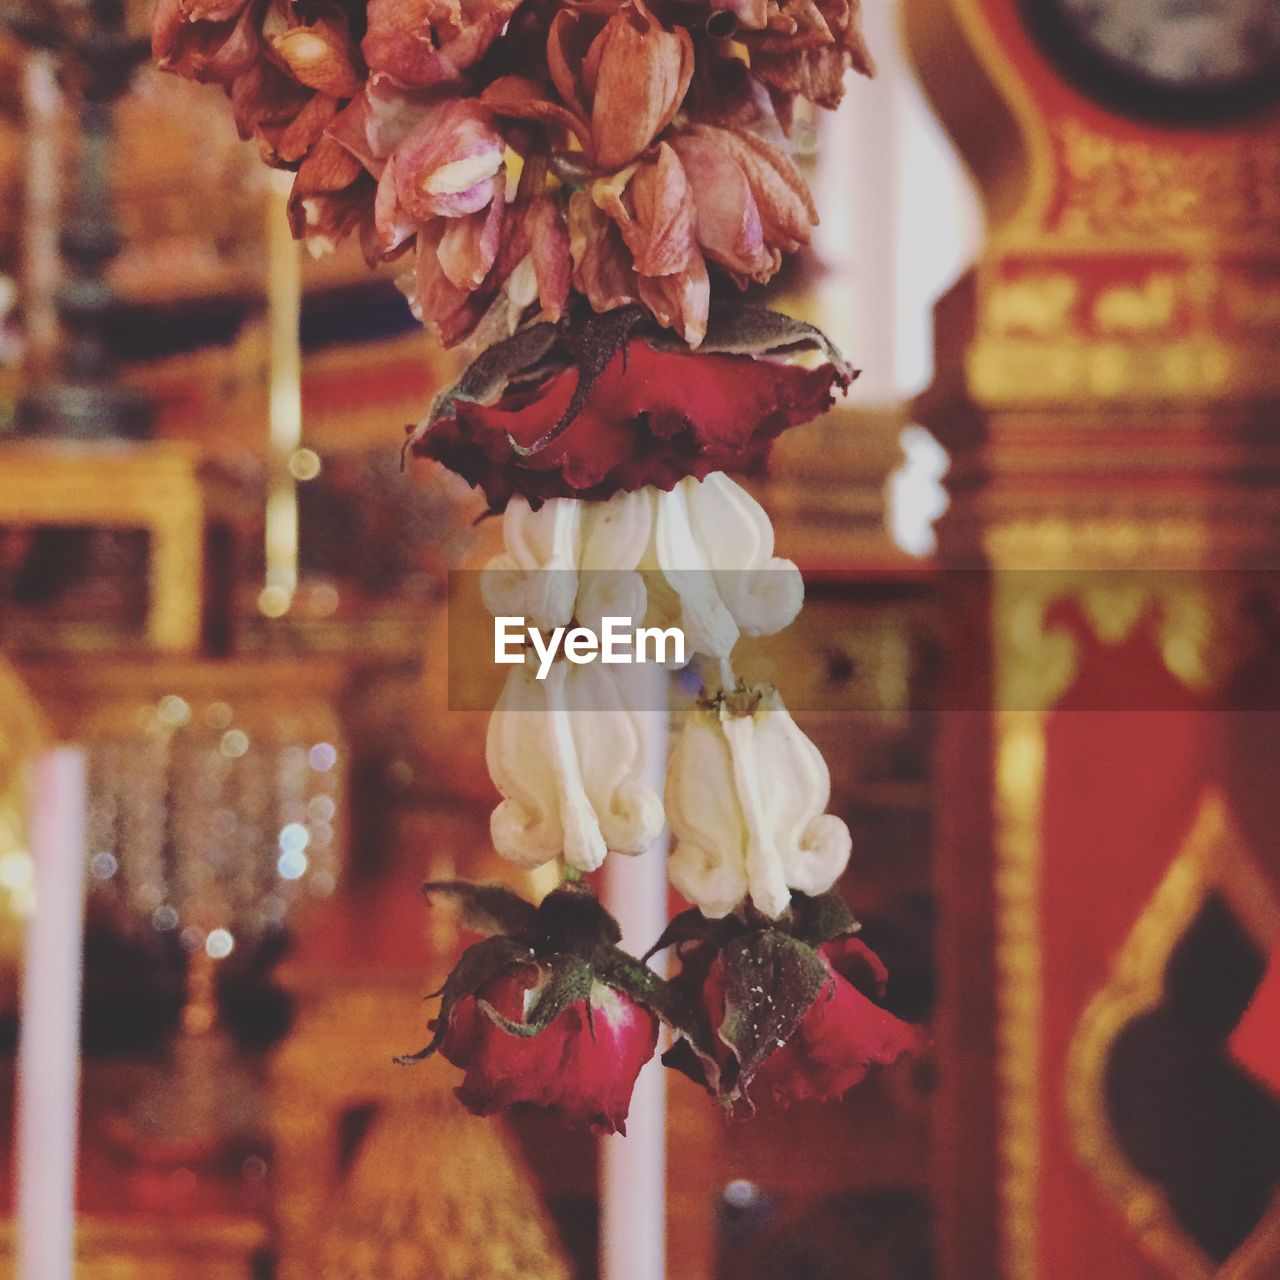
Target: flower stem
[(728, 680)]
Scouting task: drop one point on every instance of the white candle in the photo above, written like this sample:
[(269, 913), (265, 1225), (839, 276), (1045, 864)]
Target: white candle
[(633, 1170), (49, 1048)]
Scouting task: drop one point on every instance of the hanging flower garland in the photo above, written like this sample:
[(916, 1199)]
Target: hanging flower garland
[(580, 190)]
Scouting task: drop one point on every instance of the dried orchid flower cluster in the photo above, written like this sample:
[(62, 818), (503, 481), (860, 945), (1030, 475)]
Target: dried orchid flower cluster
[(524, 150), (585, 190)]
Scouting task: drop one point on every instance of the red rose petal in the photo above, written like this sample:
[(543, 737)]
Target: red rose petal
[(652, 418), (584, 1071)]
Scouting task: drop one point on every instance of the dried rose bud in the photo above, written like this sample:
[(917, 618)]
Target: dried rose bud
[(787, 1015), (319, 55), (625, 85), (425, 43), (652, 205), (447, 166), (546, 1010), (583, 1066)]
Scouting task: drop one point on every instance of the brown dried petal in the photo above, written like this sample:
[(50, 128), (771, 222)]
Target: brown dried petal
[(801, 25), (644, 74), (787, 212), (816, 74), (549, 241), (214, 53), (264, 96), (751, 14), (655, 213), (435, 300), (478, 25), (328, 170), (569, 37), (602, 269), (728, 223), (844, 17), (394, 224), (297, 138), (518, 98), (445, 166), (468, 246), (322, 57), (680, 302)]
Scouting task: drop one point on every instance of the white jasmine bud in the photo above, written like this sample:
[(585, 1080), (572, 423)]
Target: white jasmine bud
[(746, 799)]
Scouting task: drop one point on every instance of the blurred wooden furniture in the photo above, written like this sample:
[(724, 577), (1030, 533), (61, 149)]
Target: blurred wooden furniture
[(168, 1248), (145, 1222), (825, 491), (109, 694), (154, 487)]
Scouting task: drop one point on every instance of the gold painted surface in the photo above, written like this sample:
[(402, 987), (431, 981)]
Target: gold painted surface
[(1019, 372), (22, 728), (23, 731), (154, 487), (432, 1191), (1052, 326), (1040, 303), (1194, 624), (1064, 543), (1134, 278), (159, 1250), (1145, 308), (1214, 860), (1019, 797), (1035, 665), (1139, 186), (1252, 304)]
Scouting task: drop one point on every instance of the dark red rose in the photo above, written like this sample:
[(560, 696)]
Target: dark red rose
[(840, 1039), (545, 1009), (778, 1037), (653, 417), (287, 78), (583, 1066)]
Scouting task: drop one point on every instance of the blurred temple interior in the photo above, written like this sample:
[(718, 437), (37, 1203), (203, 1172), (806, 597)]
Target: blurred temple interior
[(1040, 653)]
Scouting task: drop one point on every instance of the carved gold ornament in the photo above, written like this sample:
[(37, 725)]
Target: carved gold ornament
[(1035, 665), (1135, 187)]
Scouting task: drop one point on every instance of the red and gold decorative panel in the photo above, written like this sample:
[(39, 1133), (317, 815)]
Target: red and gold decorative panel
[(1130, 259), (1138, 896)]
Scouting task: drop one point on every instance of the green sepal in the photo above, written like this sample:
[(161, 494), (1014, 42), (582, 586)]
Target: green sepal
[(570, 919), (593, 341), (743, 701), (478, 964), (771, 981), (625, 973), (568, 984), (489, 375), (693, 926), (486, 908), (572, 941), (818, 920), (743, 329)]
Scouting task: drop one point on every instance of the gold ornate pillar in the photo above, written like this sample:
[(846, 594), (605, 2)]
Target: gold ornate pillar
[(1109, 388)]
